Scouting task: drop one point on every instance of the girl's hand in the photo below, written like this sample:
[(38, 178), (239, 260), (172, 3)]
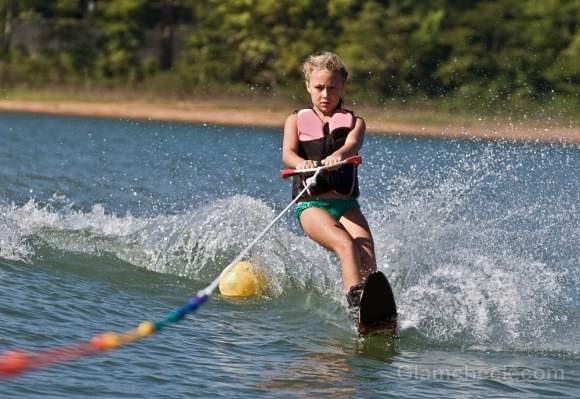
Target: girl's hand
[(307, 164), (331, 160)]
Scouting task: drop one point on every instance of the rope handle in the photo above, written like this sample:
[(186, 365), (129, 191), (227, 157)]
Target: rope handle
[(354, 160)]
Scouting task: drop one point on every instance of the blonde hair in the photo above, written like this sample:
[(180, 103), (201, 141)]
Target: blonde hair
[(324, 61)]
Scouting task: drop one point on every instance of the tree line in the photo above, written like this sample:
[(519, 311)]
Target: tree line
[(505, 50)]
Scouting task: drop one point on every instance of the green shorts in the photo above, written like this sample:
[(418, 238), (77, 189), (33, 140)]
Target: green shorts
[(336, 207)]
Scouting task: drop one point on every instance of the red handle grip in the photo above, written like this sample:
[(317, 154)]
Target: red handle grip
[(285, 173), (355, 160)]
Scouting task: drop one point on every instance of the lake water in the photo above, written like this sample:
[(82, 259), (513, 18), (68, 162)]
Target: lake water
[(106, 223)]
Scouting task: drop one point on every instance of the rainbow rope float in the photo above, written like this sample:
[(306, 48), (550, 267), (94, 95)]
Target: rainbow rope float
[(17, 362)]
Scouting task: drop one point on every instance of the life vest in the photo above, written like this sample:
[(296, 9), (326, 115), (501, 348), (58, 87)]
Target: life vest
[(317, 141)]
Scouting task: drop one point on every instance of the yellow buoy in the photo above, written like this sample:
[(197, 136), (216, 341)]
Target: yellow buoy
[(243, 279)]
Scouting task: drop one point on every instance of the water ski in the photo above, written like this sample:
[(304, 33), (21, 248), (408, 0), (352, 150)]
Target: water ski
[(378, 312)]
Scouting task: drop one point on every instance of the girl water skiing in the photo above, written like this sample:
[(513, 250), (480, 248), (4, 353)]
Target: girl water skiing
[(325, 134)]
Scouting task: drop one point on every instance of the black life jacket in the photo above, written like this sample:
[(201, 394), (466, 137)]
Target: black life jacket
[(317, 141)]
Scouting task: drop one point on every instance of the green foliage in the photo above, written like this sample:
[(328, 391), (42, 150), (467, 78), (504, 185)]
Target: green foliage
[(256, 42), (123, 24), (494, 51), (508, 48)]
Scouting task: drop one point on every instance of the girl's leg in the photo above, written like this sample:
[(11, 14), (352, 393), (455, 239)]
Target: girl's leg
[(319, 225), (356, 225)]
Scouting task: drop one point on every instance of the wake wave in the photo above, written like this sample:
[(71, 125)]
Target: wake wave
[(196, 244)]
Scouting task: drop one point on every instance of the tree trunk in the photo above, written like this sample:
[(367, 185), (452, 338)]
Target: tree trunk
[(7, 10), (88, 7), (167, 36)]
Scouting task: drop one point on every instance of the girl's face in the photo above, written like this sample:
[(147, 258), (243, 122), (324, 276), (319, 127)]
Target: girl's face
[(325, 90)]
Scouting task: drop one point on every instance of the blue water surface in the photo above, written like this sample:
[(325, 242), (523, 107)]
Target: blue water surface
[(105, 223)]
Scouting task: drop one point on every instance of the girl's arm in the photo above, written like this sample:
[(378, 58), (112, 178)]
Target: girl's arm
[(352, 144), (290, 146)]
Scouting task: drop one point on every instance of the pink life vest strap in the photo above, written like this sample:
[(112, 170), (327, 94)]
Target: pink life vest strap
[(311, 127)]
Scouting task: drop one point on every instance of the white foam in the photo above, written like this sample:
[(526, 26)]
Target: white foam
[(13, 243)]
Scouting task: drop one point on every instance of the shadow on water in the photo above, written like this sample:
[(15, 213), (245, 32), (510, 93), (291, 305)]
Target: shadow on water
[(378, 347)]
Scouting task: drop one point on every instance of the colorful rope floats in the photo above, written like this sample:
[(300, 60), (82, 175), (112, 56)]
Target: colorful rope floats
[(17, 362)]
